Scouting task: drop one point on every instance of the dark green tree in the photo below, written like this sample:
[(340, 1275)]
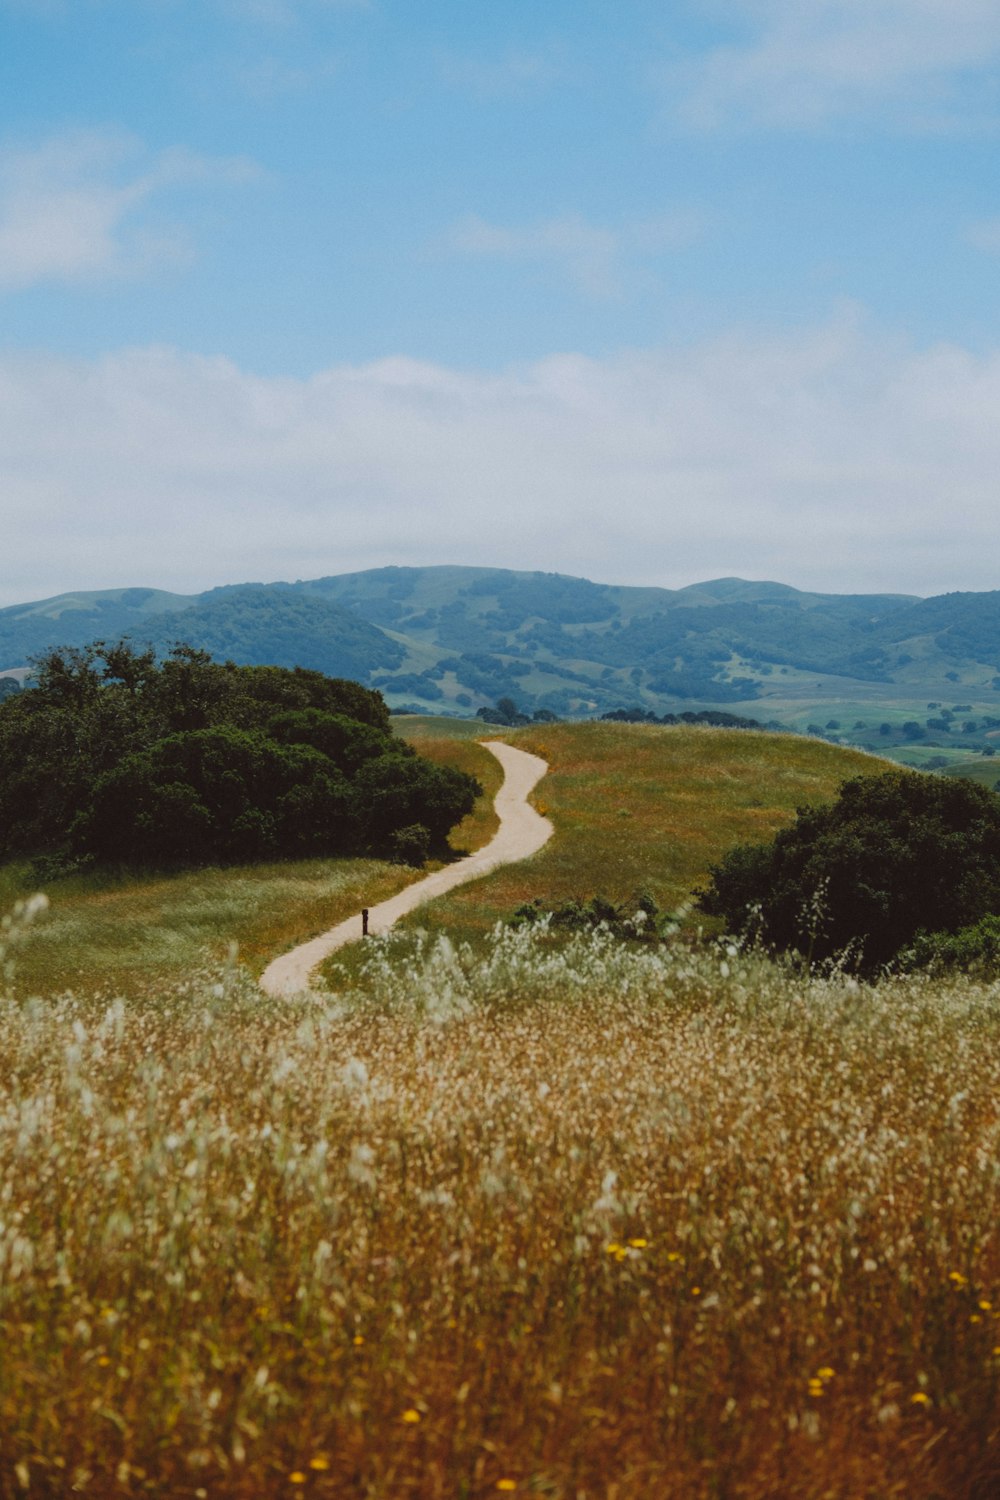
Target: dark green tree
[(115, 756), (893, 855)]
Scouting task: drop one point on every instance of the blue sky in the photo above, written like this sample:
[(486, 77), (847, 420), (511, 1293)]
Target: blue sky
[(649, 292)]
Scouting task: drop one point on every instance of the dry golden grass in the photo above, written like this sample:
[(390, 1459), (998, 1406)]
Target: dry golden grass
[(589, 1224)]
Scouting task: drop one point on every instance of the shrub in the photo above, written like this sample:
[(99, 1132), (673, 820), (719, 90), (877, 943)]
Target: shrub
[(974, 950), (894, 855), (410, 845), (639, 918)]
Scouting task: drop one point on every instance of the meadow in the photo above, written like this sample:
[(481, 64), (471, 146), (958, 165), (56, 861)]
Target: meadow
[(638, 806), (577, 1222), (501, 1215)]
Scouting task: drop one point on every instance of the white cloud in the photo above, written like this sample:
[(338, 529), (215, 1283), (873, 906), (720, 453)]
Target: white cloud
[(834, 458), (920, 65), (593, 258), (75, 208)]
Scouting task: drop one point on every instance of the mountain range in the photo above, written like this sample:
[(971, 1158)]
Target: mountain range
[(453, 638)]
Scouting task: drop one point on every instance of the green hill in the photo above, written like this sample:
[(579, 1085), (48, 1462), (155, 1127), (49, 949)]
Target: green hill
[(638, 806), (874, 670)]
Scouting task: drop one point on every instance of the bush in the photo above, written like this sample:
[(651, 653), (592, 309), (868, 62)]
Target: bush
[(638, 919), (976, 950), (893, 856), (411, 845)]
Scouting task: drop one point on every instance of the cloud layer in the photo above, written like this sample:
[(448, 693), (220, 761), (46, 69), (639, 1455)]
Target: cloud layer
[(833, 459)]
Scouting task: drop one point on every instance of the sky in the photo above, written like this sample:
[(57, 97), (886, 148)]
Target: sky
[(647, 291)]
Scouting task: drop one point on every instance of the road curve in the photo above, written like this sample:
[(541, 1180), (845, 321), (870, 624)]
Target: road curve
[(522, 831)]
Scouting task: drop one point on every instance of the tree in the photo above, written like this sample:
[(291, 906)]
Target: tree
[(115, 756), (892, 856)]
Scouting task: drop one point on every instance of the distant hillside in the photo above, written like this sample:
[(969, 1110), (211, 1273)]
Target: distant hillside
[(254, 625), (452, 638), (251, 624)]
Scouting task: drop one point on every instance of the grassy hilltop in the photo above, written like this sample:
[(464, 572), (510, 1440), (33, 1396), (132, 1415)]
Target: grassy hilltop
[(640, 806), (583, 1222)]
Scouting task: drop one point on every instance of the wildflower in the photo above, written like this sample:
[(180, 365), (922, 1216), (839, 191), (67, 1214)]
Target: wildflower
[(506, 1484), (958, 1280), (920, 1398), (411, 1415), (673, 1255), (297, 1476), (825, 1373), (319, 1463), (985, 1304), (639, 1244), (359, 1339), (696, 1291)]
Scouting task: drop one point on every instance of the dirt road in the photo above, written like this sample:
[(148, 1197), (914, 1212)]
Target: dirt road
[(522, 831)]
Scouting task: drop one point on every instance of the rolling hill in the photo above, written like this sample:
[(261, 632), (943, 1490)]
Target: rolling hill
[(450, 639)]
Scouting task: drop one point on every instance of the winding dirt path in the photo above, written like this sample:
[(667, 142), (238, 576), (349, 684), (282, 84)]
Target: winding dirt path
[(522, 831)]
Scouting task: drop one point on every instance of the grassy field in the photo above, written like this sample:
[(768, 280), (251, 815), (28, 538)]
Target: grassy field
[(122, 935), (590, 1225), (634, 806), (583, 1222), (643, 806)]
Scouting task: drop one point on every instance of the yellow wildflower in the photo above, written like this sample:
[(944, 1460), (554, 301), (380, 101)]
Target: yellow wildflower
[(920, 1398), (825, 1373), (297, 1476), (411, 1415), (506, 1484), (319, 1463), (359, 1339), (638, 1244)]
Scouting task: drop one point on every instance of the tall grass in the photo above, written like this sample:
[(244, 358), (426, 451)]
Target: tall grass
[(579, 1223)]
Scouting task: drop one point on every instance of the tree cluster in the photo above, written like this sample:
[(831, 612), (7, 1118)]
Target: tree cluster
[(895, 855), (117, 756), (717, 717)]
